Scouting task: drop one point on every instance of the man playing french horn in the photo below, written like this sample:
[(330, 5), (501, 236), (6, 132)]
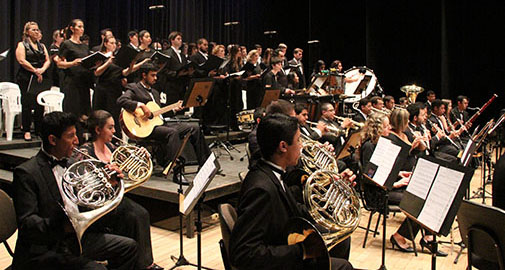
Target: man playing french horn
[(46, 239), (266, 204)]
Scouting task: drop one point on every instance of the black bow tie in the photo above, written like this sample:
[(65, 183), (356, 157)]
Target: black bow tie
[(62, 162), (279, 171)]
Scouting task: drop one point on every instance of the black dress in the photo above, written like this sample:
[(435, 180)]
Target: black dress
[(255, 90), (78, 80), (108, 90), (129, 218), (235, 95), (26, 79)]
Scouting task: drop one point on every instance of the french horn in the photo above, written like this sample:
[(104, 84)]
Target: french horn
[(86, 184), (331, 201)]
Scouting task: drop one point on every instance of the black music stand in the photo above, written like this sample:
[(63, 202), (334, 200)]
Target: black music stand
[(193, 198), (351, 144), (434, 183), (270, 95), (198, 92), (317, 83)]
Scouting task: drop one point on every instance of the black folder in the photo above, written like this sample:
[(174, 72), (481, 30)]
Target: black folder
[(92, 59), (214, 62), (125, 56), (159, 57)]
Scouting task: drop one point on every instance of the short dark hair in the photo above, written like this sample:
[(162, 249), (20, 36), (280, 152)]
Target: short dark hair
[(299, 107), (388, 98), (297, 50), (173, 35), (146, 68), (280, 106), (375, 100), (414, 110), (132, 33), (275, 60), (437, 103), (460, 98), (201, 40), (326, 106), (97, 118), (363, 102), (257, 46), (430, 92), (55, 123), (272, 130)]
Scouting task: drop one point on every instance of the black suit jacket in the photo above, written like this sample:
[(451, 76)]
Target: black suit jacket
[(174, 85), (197, 58), (301, 76), (359, 117), (135, 93), (39, 215), (257, 240)]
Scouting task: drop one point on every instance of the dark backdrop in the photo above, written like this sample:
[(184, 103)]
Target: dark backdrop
[(451, 47)]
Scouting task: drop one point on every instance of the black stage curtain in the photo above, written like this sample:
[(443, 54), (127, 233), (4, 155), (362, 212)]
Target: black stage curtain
[(451, 47)]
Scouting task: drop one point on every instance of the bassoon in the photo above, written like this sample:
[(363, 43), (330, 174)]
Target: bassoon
[(475, 115)]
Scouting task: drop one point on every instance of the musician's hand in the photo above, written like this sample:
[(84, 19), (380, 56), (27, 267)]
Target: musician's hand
[(328, 146), (212, 73), (147, 113), (419, 144), (401, 183), (322, 127), (119, 174), (289, 92), (453, 135), (39, 78), (124, 82), (179, 106), (349, 176), (346, 123), (405, 174), (76, 62), (468, 125), (440, 134)]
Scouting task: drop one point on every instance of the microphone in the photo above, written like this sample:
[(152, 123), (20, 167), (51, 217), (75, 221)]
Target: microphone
[(473, 108), (313, 41), (271, 32), (156, 7)]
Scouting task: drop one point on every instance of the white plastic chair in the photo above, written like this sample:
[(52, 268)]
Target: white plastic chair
[(55, 88), (51, 100), (11, 105)]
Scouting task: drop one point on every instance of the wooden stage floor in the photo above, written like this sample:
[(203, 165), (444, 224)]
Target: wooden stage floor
[(166, 242)]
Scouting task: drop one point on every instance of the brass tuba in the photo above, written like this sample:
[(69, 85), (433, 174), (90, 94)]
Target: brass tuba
[(411, 91), (86, 184)]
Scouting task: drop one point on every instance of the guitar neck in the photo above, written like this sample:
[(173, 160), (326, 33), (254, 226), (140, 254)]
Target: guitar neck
[(165, 109)]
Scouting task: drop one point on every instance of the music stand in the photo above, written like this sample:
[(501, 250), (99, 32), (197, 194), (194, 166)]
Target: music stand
[(198, 92), (317, 83), (193, 198), (351, 144), (270, 95), (363, 84)]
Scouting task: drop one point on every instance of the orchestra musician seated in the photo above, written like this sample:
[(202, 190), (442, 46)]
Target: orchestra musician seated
[(266, 204), (46, 239), (137, 95), (364, 109)]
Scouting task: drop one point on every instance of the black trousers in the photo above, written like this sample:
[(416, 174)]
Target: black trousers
[(104, 98), (119, 251), (173, 134), (132, 220), (29, 102)]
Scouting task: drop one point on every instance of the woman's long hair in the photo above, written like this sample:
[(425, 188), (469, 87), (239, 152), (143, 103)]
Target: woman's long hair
[(69, 32)]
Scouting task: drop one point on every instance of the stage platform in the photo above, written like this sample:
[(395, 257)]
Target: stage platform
[(158, 194)]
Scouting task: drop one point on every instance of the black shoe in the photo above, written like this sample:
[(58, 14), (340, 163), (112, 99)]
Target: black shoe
[(394, 243), (428, 245), (182, 181)]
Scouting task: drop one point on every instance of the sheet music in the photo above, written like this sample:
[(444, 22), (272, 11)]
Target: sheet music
[(199, 182), (384, 156), (422, 178), (239, 73), (440, 198)]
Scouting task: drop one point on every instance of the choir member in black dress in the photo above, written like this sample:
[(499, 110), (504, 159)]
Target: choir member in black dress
[(259, 50), (272, 79), (78, 80), (265, 60), (55, 72), (33, 59), (235, 85), (255, 90), (215, 108), (129, 218), (109, 86), (103, 33)]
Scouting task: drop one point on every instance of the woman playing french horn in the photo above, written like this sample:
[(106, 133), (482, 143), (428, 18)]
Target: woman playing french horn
[(129, 219)]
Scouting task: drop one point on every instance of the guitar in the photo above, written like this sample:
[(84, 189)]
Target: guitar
[(137, 127)]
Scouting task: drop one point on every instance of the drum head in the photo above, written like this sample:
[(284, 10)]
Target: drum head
[(362, 87)]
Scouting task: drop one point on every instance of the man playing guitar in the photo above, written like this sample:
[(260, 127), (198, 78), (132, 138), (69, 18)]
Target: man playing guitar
[(137, 95)]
